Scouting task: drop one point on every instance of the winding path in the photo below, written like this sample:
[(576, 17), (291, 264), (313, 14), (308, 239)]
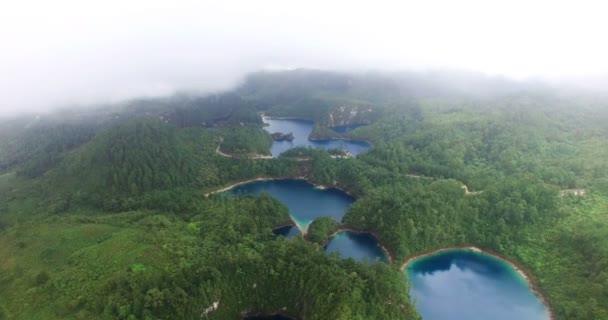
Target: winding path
[(251, 157), (464, 186)]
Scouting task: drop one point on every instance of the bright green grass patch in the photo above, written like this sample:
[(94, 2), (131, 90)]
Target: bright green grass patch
[(6, 177), (65, 263), (138, 267)]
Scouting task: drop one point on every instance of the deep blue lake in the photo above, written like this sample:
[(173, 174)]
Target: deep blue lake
[(305, 202), (467, 285), (301, 129), (359, 246)]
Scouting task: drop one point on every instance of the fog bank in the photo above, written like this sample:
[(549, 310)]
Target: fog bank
[(82, 52)]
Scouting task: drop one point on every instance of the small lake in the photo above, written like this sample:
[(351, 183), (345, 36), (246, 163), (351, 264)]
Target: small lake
[(463, 284), (301, 129), (304, 201), (359, 246)]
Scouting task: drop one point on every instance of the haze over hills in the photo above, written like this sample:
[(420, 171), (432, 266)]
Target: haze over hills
[(370, 86), (71, 53), (103, 212), (311, 160)]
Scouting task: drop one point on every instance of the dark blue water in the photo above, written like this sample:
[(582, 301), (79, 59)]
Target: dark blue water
[(287, 232), (301, 129), (347, 128), (305, 202), (359, 246), (463, 284)]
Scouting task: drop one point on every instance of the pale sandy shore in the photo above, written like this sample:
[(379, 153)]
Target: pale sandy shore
[(238, 183), (316, 185)]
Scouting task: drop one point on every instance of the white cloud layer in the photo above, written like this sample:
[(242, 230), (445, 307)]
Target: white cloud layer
[(77, 52)]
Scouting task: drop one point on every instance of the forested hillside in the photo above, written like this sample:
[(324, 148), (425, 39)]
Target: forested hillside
[(103, 213)]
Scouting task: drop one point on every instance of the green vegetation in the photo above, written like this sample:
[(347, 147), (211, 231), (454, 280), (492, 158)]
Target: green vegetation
[(320, 229), (3, 313), (102, 213), (248, 140), (212, 111), (174, 264), (43, 147), (135, 158), (438, 214)]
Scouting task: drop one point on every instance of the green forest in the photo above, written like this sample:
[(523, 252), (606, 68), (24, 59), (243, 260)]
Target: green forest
[(104, 212)]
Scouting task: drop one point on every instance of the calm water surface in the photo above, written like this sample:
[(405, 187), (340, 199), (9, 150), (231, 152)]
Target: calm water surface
[(305, 202), (301, 129), (359, 246), (466, 285)]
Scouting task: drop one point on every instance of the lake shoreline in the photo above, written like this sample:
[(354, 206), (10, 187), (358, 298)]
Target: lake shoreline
[(303, 178), (318, 186), (513, 264), (240, 182), (264, 116), (317, 138), (389, 255), (322, 138), (291, 223)]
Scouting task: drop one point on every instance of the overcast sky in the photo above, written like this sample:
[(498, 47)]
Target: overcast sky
[(54, 53)]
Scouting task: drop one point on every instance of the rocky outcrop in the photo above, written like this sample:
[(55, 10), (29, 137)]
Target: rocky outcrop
[(210, 309), (340, 154), (574, 192), (350, 114), (279, 136)]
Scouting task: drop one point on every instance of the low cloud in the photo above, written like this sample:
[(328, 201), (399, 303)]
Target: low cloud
[(62, 53)]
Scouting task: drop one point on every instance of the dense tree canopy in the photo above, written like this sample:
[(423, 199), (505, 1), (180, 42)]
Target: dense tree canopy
[(104, 213), (320, 229)]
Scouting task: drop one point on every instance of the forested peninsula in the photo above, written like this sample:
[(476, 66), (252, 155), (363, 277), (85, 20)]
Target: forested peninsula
[(111, 212)]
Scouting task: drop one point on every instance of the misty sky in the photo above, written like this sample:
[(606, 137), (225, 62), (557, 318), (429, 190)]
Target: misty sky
[(55, 53)]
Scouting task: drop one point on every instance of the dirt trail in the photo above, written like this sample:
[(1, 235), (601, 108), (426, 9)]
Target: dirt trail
[(464, 186), (470, 193), (251, 157)]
